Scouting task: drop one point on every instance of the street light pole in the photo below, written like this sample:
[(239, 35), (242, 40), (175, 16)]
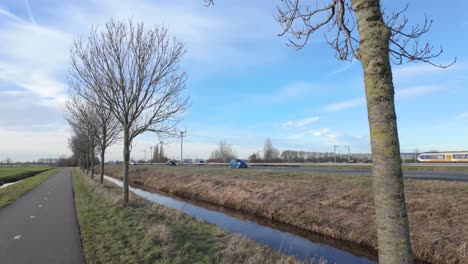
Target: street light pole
[(349, 152), (151, 153), (182, 133), (334, 150)]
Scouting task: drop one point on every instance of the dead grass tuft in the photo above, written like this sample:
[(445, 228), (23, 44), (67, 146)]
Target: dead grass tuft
[(160, 234)]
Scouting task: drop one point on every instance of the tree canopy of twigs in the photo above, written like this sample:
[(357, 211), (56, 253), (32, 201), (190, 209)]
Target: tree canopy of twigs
[(301, 20)]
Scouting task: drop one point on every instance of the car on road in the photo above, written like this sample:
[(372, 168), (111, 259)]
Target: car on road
[(171, 163), (201, 162), (237, 163)]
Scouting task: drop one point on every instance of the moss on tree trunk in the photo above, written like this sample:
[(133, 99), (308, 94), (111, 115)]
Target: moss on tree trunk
[(392, 219)]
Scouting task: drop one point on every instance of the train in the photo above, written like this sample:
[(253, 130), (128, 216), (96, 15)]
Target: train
[(447, 156)]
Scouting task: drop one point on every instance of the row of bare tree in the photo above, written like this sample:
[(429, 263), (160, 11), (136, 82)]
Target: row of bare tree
[(125, 80)]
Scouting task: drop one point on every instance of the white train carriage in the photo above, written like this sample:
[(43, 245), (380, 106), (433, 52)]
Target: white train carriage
[(448, 156)]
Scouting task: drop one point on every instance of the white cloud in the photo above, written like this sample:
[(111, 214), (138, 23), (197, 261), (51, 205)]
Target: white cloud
[(292, 91), (463, 115), (345, 105), (34, 58), (300, 123), (416, 91), (410, 71), (326, 133)]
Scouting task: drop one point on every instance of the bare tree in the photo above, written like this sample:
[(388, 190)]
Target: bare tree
[(135, 71), (254, 157), (78, 144), (105, 129), (155, 154), (81, 116), (378, 41), (270, 153), (224, 152)]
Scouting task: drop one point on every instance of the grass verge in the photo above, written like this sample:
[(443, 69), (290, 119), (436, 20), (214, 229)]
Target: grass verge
[(440, 168), (145, 232), (337, 206), (12, 174), (11, 193)]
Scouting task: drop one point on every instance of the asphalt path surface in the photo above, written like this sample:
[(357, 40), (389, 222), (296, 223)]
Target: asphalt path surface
[(413, 174), (41, 226)]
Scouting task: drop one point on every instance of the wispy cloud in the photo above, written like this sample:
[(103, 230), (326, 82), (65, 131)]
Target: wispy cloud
[(410, 71), (346, 66), (11, 16), (326, 132), (463, 115), (330, 136), (416, 91), (345, 104), (291, 91), (30, 13), (300, 123), (406, 93)]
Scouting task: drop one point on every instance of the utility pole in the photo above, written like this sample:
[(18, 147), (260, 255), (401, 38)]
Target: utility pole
[(334, 150), (349, 152), (182, 133), (151, 153)]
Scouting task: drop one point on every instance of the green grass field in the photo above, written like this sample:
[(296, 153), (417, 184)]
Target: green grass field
[(11, 193), (12, 174), (144, 232)]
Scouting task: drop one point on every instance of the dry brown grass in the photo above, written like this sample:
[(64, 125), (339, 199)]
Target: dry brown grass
[(338, 206)]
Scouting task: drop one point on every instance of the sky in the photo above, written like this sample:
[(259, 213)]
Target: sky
[(244, 83)]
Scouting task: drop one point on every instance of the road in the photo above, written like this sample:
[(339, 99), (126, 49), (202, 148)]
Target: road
[(423, 175), (41, 227)]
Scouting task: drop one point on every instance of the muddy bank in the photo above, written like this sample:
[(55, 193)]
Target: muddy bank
[(340, 207)]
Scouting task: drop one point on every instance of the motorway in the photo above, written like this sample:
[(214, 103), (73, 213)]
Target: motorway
[(413, 174)]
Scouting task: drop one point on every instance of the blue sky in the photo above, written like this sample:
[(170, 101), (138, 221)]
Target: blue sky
[(245, 84)]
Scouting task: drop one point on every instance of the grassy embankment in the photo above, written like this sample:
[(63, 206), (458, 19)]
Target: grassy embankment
[(337, 206), (439, 168), (144, 232), (12, 174), (11, 193)]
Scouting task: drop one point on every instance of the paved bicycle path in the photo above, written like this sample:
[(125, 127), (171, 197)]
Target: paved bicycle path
[(41, 226)]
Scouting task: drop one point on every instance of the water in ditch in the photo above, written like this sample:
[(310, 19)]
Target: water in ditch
[(303, 246)]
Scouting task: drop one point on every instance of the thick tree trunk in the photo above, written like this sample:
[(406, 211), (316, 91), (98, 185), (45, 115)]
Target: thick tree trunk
[(392, 220), (126, 153)]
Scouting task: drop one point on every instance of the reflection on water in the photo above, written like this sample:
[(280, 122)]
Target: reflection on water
[(285, 242)]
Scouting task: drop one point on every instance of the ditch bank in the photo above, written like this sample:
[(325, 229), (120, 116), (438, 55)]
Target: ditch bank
[(336, 206), (306, 248), (19, 177)]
